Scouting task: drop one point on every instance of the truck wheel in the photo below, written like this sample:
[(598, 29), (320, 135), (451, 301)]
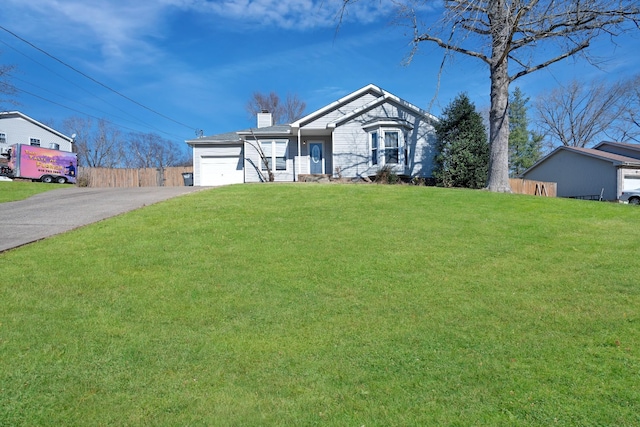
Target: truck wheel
[(46, 179), (61, 180)]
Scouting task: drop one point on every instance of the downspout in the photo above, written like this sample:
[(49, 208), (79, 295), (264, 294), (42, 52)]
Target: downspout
[(297, 176)]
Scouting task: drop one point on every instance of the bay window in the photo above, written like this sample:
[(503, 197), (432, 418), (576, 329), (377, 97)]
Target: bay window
[(386, 146)]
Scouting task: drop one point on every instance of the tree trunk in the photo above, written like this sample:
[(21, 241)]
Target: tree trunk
[(498, 180)]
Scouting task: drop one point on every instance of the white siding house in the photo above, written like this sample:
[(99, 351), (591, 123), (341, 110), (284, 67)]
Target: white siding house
[(18, 128), (352, 137), (607, 169)]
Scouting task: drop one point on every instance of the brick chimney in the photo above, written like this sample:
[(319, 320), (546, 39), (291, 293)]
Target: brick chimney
[(265, 119)]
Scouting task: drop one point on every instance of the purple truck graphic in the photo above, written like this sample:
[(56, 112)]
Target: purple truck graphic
[(42, 164)]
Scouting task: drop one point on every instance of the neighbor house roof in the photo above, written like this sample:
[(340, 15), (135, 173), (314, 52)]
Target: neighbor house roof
[(14, 114), (618, 144), (604, 155), (615, 159)]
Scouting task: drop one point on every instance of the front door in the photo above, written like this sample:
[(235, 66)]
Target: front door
[(315, 158)]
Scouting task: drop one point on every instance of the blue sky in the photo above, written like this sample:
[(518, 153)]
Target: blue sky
[(197, 62)]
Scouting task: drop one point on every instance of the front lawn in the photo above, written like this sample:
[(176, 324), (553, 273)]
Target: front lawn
[(11, 191), (337, 305)]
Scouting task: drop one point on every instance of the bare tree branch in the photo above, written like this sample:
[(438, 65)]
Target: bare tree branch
[(513, 37), (282, 112), (6, 87), (258, 147), (579, 114), (558, 58)]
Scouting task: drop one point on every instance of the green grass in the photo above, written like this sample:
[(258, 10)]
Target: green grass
[(336, 305), (11, 191)]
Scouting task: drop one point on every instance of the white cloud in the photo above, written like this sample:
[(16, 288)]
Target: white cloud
[(295, 14), (115, 27), (125, 32)]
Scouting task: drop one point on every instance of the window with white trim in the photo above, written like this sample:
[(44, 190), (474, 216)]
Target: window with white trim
[(374, 148), (275, 153), (386, 147), (391, 147), (3, 138), (35, 142)]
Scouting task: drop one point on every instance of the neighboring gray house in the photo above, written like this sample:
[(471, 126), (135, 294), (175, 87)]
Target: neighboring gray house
[(18, 128), (352, 137), (608, 169)]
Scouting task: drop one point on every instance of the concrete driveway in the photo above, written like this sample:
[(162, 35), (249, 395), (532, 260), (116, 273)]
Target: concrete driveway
[(64, 209)]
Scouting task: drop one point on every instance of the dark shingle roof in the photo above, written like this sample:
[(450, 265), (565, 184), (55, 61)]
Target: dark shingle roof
[(221, 138), (267, 130), (236, 137), (604, 155)]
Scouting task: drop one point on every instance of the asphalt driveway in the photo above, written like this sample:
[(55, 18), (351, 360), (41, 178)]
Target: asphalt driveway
[(56, 211)]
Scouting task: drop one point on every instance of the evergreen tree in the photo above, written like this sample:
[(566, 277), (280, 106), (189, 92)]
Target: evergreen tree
[(525, 147), (463, 150)]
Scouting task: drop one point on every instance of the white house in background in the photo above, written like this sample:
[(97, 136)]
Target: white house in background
[(607, 169), (351, 138), (18, 128)]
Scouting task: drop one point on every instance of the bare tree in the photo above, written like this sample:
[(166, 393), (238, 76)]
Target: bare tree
[(293, 108), (266, 160), (98, 144), (578, 113), (6, 87), (514, 38), (631, 113), (282, 112), (149, 150)]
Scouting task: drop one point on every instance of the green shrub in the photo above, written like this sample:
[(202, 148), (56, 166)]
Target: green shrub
[(386, 175)]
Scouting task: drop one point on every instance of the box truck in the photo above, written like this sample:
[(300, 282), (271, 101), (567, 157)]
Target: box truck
[(41, 164)]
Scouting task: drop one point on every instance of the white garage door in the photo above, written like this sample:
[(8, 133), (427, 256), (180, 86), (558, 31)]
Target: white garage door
[(631, 182), (221, 170)]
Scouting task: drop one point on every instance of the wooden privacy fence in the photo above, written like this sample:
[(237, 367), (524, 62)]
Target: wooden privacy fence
[(533, 188), (144, 177)]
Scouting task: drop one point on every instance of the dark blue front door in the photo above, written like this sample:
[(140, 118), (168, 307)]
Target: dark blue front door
[(315, 158)]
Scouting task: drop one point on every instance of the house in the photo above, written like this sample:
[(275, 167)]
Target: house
[(18, 128), (606, 169), (352, 137)]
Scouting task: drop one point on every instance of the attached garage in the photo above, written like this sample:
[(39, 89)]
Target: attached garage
[(218, 160), (604, 171), (221, 169)]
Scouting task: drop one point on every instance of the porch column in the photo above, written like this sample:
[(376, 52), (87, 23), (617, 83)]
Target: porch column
[(295, 178)]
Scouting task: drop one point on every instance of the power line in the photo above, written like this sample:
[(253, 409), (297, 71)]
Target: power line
[(82, 112), (140, 121), (94, 80)]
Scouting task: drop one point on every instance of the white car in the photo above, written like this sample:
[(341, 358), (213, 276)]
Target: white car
[(631, 196)]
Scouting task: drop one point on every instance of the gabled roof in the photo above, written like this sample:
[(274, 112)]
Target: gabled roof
[(618, 144), (284, 130), (615, 159), (383, 96), (14, 114), (237, 137)]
